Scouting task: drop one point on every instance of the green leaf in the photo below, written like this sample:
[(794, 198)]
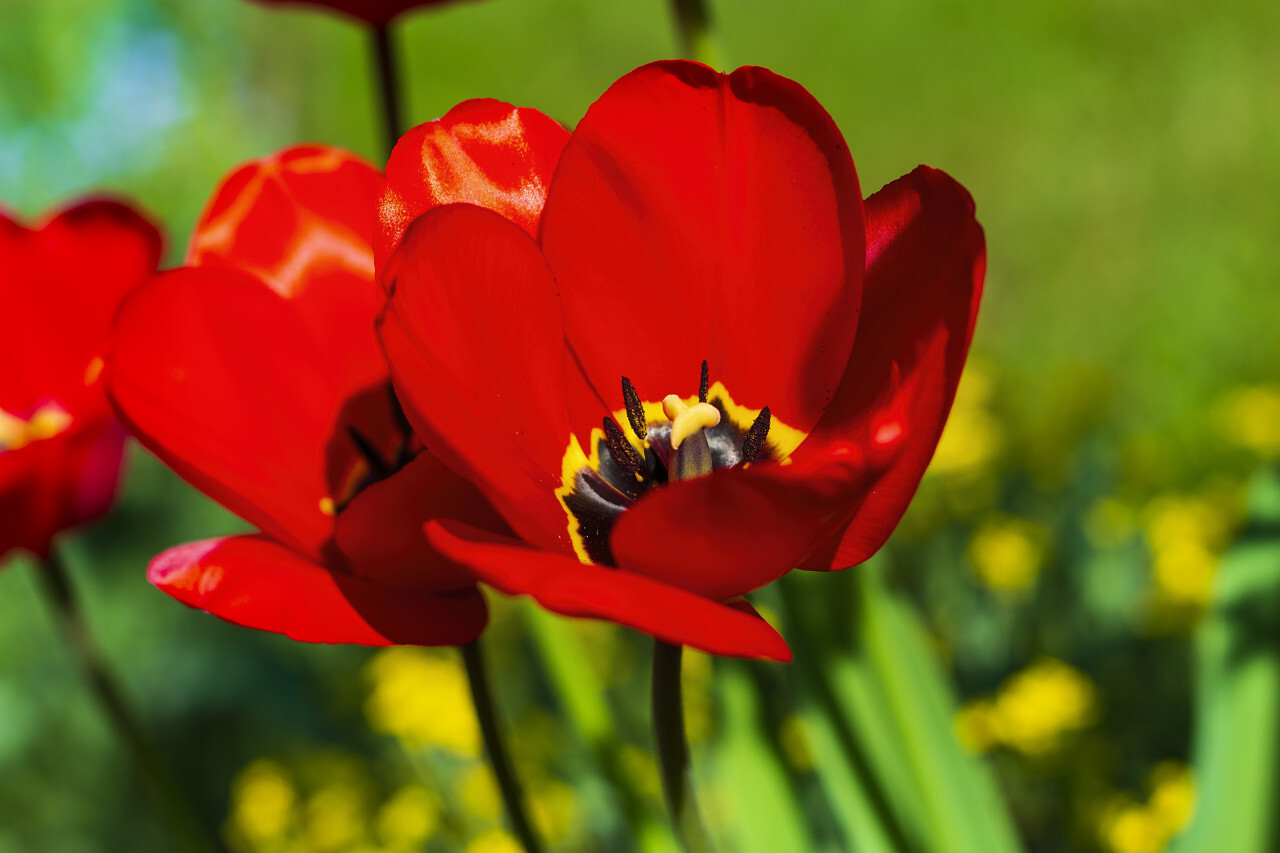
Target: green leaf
[(765, 815), (889, 707), (1237, 743)]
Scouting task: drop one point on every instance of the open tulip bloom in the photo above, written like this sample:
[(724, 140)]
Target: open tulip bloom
[(675, 349), (254, 372), (60, 447)]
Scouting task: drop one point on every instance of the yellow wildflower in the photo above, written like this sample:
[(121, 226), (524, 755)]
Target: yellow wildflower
[(421, 696), (1007, 553)]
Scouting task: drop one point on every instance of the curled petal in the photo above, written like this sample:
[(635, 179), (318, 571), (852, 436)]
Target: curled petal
[(255, 582), (473, 334), (926, 258), (566, 586), (726, 534), (483, 152), (301, 221), (697, 215)]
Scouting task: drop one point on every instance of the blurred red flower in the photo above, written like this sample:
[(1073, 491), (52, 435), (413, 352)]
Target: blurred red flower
[(254, 372), (62, 281), (692, 215), (375, 12)]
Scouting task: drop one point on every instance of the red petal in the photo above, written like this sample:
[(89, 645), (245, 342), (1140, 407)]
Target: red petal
[(380, 533), (698, 215), (62, 284), (301, 221), (926, 258), (726, 534), (255, 582), (473, 334), (564, 585), (219, 377), (483, 152)]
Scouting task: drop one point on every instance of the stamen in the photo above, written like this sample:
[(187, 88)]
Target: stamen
[(377, 464), (753, 442), (621, 450), (688, 420), (704, 384), (635, 411)]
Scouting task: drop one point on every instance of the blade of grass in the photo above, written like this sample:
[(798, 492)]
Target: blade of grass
[(1237, 742)]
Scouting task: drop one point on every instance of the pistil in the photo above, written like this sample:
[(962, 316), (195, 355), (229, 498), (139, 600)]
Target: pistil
[(690, 451)]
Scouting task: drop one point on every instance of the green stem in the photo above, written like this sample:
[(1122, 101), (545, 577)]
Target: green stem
[(387, 63), (183, 819), (673, 749), (482, 698), (696, 32)]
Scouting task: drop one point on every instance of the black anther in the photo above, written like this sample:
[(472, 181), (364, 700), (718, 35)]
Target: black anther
[(704, 384), (377, 464), (621, 450), (753, 442), (635, 411)]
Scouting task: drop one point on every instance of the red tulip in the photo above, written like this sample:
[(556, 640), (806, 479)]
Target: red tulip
[(254, 373), (692, 216), (60, 448), (375, 12)]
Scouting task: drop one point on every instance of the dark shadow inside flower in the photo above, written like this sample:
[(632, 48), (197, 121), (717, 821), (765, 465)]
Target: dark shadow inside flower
[(371, 440)]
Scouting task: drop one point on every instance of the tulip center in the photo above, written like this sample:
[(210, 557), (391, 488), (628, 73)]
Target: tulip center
[(647, 444), (371, 441)]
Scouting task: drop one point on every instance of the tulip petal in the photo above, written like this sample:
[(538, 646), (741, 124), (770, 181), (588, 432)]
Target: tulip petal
[(380, 532), (255, 582), (566, 586), (926, 259), (696, 215), (301, 221), (483, 152), (731, 532), (87, 256), (473, 334), (220, 378)]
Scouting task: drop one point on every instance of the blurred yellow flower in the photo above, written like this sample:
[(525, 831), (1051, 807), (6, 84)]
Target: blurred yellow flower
[(335, 818), (1186, 536), (975, 726), (1250, 418), (553, 808), (409, 817), (421, 696), (1007, 553), (479, 793), (1128, 826), (972, 436), (1032, 712), (263, 798), (494, 841)]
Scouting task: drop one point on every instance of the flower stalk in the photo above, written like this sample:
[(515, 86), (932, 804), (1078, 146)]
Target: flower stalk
[(696, 32), (188, 829), (387, 64), (495, 747), (673, 749)]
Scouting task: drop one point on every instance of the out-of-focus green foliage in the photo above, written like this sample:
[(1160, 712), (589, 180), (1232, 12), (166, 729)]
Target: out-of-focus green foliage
[(1061, 553), (1238, 695)]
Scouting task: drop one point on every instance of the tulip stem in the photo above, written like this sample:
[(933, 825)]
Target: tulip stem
[(183, 819), (673, 749), (387, 61), (696, 32), (482, 698)]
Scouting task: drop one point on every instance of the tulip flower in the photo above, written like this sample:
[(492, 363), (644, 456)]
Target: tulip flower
[(701, 362), (60, 447), (254, 372)]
